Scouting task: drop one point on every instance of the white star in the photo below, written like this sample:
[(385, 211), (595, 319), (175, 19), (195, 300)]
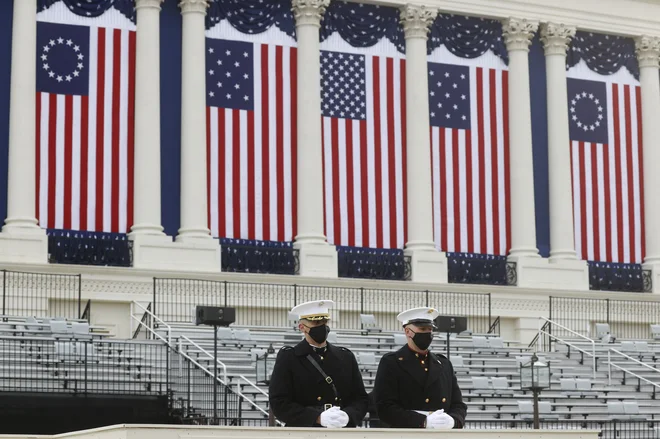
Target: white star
[(44, 57), (60, 40), (80, 65), (572, 109), (75, 73), (432, 114), (69, 42), (51, 42), (579, 124), (46, 67), (463, 97), (211, 94), (228, 96), (246, 98), (46, 48), (431, 72), (81, 56), (51, 74), (237, 86), (455, 86), (246, 76), (68, 78), (447, 116), (211, 72), (462, 76), (228, 52), (219, 84), (59, 79), (76, 48), (584, 94), (245, 54), (600, 109), (446, 74), (596, 101), (577, 96), (447, 95), (574, 117), (464, 117), (455, 107), (432, 93), (210, 49), (219, 62), (236, 64), (573, 102), (228, 74)]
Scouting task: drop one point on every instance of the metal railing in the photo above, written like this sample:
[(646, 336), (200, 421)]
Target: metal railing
[(177, 348), (547, 333), (610, 364), (89, 248), (27, 294), (628, 319), (260, 304)]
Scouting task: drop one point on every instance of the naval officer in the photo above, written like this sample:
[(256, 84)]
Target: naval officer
[(414, 387), (316, 384)]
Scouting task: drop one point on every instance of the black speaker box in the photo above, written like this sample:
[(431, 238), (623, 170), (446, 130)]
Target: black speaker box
[(451, 324), (214, 315)]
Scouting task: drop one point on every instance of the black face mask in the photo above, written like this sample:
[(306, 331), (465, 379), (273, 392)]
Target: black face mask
[(319, 333), (422, 339)]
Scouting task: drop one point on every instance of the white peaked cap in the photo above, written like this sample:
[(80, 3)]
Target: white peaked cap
[(314, 310), (418, 315)]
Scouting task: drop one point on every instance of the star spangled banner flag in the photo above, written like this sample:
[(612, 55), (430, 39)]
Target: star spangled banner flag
[(85, 109), (470, 156), (605, 120), (251, 139), (364, 150)]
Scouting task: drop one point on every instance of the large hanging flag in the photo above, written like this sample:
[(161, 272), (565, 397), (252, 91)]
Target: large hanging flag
[(251, 120), (363, 118), (468, 104), (85, 110), (605, 123)]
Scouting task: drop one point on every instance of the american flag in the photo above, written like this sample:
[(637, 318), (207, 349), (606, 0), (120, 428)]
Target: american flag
[(606, 153), (364, 150), (85, 109), (469, 152), (251, 139)]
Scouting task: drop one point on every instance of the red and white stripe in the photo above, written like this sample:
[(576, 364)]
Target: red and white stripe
[(252, 155), (608, 190), (365, 164), (471, 188), (85, 143)]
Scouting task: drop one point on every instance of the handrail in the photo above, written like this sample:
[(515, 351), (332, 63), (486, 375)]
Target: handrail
[(610, 364), (495, 324), (252, 402), (160, 322), (633, 374), (144, 317), (260, 390), (220, 363), (567, 329), (593, 344)]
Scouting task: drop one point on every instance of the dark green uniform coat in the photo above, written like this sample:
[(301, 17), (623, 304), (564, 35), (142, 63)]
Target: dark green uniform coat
[(402, 385), (298, 392)]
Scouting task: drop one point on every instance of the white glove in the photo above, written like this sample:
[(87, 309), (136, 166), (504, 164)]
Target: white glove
[(334, 417), (439, 420)]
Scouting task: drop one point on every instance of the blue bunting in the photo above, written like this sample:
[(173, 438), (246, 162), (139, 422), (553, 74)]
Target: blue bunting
[(467, 37), (252, 16), (363, 25), (604, 54), (93, 8)]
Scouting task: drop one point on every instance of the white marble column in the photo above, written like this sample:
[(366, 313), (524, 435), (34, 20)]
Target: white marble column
[(648, 55), (317, 258), (518, 35), (21, 196), (22, 240), (194, 214), (428, 265), (147, 120), (556, 38)]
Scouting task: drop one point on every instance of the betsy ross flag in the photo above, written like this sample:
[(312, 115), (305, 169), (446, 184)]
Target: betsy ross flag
[(605, 121), (251, 140), (364, 150), (85, 110), (470, 157)]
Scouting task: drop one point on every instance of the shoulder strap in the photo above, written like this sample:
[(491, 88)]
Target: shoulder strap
[(325, 376)]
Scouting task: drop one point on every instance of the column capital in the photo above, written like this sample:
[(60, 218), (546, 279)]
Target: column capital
[(148, 4), (518, 33), (198, 6), (309, 12), (556, 37), (648, 51), (416, 20)]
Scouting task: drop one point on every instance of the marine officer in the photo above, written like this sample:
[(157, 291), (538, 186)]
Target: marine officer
[(414, 387), (316, 383)]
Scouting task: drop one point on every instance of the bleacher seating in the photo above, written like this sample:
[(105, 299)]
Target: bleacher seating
[(487, 369)]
